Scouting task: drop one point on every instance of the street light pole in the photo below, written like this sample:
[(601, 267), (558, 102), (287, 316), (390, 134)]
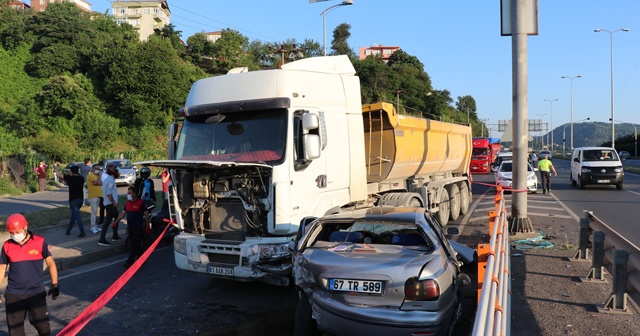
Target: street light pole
[(572, 78), (551, 103), (564, 139), (613, 136), (324, 22)]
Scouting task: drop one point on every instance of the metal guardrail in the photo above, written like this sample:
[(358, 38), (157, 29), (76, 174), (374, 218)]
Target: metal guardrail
[(613, 252), (494, 267)]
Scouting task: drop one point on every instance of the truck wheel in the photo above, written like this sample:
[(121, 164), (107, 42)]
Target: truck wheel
[(464, 198), (619, 186), (304, 324), (443, 208), (454, 193)]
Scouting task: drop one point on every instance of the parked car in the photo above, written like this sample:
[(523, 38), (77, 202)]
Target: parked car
[(378, 271), (67, 169), (624, 155), (502, 156), (504, 175), (128, 172)]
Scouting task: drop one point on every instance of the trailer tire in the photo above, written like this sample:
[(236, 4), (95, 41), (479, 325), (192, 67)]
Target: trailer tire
[(444, 208), (454, 193), (464, 198)]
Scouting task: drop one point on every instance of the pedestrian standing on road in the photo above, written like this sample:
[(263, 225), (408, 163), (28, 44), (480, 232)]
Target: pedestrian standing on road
[(103, 177), (76, 186), (110, 196), (85, 170), (546, 167), (166, 178), (56, 170), (138, 223), (25, 292), (94, 185), (41, 171)]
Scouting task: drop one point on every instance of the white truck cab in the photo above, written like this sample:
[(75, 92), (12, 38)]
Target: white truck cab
[(596, 165)]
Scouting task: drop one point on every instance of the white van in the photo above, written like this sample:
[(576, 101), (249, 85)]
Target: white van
[(596, 165)]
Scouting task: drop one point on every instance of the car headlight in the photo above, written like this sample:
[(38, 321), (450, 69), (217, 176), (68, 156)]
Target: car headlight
[(270, 251), (585, 170), (180, 245), (531, 177), (618, 170), (130, 174)]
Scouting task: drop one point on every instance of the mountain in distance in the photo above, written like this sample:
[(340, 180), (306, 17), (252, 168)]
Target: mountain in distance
[(587, 134)]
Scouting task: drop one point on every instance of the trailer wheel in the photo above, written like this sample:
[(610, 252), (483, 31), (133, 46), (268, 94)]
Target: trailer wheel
[(454, 193), (443, 208), (464, 198)]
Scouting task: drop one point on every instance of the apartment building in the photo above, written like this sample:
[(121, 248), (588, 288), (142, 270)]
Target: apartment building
[(18, 5), (41, 5), (377, 50), (213, 36), (144, 16)]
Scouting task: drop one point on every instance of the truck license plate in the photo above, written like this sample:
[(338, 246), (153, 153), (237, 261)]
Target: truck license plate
[(358, 286), (603, 181), (220, 270)]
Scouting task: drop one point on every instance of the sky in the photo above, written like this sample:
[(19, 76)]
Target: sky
[(460, 45)]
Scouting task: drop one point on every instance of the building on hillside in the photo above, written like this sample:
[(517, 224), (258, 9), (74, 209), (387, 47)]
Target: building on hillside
[(378, 50), (144, 16), (41, 5), (213, 36), (18, 5)]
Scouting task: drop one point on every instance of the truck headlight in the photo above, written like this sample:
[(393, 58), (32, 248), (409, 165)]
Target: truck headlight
[(270, 251), (585, 170), (180, 245), (618, 170)]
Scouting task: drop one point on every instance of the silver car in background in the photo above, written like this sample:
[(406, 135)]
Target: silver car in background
[(378, 271), (128, 172)]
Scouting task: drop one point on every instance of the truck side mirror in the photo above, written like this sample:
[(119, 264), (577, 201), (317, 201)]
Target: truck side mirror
[(311, 146), (310, 121), (171, 146)]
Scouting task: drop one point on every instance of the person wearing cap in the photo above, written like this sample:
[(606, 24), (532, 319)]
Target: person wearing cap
[(25, 292), (546, 167), (110, 199)]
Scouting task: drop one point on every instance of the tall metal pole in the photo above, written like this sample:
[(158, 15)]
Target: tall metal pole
[(564, 140), (541, 128), (571, 79), (613, 134), (519, 218), (551, 103)]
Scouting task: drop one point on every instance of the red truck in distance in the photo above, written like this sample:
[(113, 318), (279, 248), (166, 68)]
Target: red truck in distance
[(484, 154)]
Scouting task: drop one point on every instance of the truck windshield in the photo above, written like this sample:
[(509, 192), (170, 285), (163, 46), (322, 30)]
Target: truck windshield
[(253, 136), (480, 152)]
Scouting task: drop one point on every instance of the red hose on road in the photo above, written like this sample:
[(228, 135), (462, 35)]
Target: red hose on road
[(90, 312)]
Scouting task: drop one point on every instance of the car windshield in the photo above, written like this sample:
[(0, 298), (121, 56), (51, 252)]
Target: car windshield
[(254, 136), (508, 167), (121, 164), (599, 155), (332, 233)]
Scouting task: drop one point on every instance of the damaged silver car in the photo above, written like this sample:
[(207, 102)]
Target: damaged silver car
[(378, 271)]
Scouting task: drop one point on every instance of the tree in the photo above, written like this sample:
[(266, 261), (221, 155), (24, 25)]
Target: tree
[(339, 44), (467, 105), (169, 32)]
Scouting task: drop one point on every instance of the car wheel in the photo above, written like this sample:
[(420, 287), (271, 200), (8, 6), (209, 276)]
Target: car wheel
[(305, 324), (619, 186), (454, 193), (464, 198), (580, 183), (444, 208)]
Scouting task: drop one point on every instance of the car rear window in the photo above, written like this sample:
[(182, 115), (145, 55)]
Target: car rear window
[(367, 232)]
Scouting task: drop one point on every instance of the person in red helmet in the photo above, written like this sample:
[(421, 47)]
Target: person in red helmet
[(25, 292)]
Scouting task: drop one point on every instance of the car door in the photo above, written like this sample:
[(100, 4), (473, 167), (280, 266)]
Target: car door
[(575, 164)]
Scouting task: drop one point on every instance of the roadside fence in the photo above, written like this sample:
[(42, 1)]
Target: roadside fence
[(611, 252), (494, 268)]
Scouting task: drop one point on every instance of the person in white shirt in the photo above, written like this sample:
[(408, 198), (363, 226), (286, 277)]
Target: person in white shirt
[(110, 197)]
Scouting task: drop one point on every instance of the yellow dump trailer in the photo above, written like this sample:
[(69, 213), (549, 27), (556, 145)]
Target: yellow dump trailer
[(428, 157)]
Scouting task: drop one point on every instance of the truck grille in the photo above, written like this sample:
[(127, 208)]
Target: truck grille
[(228, 259)]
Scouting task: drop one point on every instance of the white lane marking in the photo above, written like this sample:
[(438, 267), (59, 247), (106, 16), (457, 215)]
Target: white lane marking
[(633, 192)]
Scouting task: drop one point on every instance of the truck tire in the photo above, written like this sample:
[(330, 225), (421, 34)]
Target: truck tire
[(305, 324), (444, 208), (454, 193), (465, 198)]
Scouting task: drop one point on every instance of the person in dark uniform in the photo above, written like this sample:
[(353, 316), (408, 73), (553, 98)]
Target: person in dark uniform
[(76, 196), (25, 292), (138, 222)]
